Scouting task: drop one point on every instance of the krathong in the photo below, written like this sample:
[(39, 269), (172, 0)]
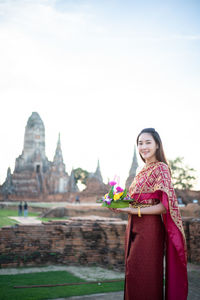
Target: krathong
[(117, 197)]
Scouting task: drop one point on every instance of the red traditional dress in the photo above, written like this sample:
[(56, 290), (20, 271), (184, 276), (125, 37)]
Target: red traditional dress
[(151, 237)]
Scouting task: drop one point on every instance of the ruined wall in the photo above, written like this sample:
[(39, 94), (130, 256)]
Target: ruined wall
[(78, 241), (188, 195), (192, 234), (80, 210)]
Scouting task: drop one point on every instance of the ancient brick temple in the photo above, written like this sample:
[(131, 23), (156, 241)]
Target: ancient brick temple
[(34, 174), (35, 177)]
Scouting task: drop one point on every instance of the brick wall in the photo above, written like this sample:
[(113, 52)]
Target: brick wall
[(192, 233), (77, 241)]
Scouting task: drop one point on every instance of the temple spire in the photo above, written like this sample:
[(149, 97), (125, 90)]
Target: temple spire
[(97, 173), (58, 157), (134, 165)]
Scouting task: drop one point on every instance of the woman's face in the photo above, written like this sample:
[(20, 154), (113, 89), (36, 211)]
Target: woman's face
[(147, 147)]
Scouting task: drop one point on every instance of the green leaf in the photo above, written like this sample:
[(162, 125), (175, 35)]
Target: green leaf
[(124, 194), (111, 194), (116, 204)]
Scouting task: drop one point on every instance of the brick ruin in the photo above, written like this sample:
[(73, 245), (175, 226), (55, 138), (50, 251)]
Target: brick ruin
[(77, 241), (35, 178), (72, 242)]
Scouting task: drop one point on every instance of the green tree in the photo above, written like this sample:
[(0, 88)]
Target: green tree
[(182, 176), (81, 175)]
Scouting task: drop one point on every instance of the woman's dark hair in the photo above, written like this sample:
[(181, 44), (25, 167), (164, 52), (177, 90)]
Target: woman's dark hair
[(160, 155)]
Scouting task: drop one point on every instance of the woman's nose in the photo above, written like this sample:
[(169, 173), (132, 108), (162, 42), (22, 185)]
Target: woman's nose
[(143, 146)]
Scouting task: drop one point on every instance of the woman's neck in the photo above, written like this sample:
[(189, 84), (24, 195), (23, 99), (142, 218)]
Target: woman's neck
[(147, 163)]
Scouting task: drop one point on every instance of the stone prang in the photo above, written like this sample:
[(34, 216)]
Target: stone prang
[(34, 175), (33, 156)]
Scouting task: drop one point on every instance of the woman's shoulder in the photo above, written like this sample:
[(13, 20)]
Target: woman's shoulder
[(162, 169), (162, 165)]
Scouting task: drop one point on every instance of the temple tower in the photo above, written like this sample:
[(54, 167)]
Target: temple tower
[(95, 186), (133, 169), (7, 187), (58, 158), (33, 156), (97, 173), (57, 178)]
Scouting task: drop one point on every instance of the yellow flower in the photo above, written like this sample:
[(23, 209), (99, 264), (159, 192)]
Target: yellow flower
[(117, 196), (105, 195)]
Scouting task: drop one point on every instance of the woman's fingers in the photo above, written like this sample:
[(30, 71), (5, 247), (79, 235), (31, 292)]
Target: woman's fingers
[(113, 209)]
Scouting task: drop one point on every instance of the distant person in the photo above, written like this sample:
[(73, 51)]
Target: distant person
[(25, 209), (180, 201), (20, 209), (77, 199)]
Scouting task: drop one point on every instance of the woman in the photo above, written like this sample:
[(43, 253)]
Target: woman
[(154, 229)]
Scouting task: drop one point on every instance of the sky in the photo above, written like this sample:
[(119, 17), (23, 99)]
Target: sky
[(99, 72)]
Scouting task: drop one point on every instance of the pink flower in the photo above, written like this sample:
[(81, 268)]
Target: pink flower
[(119, 189), (112, 183)]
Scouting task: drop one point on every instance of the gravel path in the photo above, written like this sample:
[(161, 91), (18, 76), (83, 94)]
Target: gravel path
[(86, 273)]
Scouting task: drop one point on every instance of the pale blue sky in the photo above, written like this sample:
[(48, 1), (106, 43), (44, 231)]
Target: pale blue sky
[(99, 72)]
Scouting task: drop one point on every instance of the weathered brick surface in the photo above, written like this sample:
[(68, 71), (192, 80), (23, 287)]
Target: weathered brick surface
[(192, 230), (77, 241), (72, 242)]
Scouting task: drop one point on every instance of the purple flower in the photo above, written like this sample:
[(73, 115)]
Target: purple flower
[(127, 198), (112, 183), (107, 200), (119, 189)]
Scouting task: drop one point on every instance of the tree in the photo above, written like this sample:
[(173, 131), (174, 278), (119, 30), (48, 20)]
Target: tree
[(82, 175), (182, 176)]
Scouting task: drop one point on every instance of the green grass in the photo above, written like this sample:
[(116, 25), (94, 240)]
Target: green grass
[(14, 213), (5, 221), (6, 213), (7, 282)]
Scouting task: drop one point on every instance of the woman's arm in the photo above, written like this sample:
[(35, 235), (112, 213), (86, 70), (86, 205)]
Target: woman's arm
[(157, 209)]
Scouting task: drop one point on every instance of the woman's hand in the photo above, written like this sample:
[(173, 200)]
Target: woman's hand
[(157, 209), (113, 209), (119, 210)]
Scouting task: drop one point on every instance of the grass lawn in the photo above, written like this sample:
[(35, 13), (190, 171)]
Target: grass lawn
[(5, 213), (14, 213), (5, 221), (7, 292)]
